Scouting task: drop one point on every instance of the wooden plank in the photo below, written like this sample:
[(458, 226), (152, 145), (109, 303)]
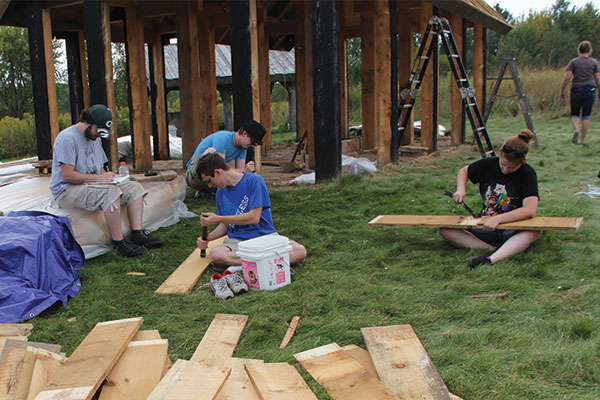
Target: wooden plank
[(402, 363), (456, 22), (45, 361), (478, 65), (208, 76), (160, 176), (137, 372), (362, 356), (238, 385), (188, 380), (185, 277), (221, 337), (278, 381), (382, 81), (426, 11), (11, 362), (160, 98), (50, 79), (91, 361), (153, 334), (15, 329), (465, 222), (342, 376), (290, 332)]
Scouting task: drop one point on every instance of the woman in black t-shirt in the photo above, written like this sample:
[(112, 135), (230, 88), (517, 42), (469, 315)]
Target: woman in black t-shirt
[(509, 190)]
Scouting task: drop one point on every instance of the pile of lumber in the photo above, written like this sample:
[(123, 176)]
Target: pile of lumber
[(117, 360)]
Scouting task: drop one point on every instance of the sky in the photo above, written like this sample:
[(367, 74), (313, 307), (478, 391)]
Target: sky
[(521, 7)]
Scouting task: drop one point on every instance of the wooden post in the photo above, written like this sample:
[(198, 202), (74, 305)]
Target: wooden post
[(264, 79), (226, 92), (291, 89), (406, 59), (38, 78), (343, 44), (84, 72), (478, 53), (139, 93), (50, 81), (161, 152), (369, 94), (456, 23), (382, 82), (110, 87), (326, 87), (74, 73), (189, 93), (208, 77), (427, 127), (304, 79)]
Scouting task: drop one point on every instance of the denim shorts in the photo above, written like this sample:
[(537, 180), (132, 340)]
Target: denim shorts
[(582, 100), (496, 237)]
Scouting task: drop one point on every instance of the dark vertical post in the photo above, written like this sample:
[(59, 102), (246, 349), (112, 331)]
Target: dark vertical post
[(436, 87), (75, 76), (241, 66), (395, 143), (153, 125), (326, 87), (38, 79)]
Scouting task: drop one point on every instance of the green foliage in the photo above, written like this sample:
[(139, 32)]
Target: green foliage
[(17, 137), (15, 73)]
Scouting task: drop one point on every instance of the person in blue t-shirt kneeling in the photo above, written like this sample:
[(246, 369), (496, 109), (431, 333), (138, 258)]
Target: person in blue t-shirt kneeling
[(243, 210), (232, 146)]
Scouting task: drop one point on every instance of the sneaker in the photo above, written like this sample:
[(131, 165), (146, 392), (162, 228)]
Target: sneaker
[(143, 238), (235, 282), (219, 287), (476, 260), (125, 248), (575, 136)]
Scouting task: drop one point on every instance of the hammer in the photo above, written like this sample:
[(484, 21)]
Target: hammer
[(204, 237), (462, 203)]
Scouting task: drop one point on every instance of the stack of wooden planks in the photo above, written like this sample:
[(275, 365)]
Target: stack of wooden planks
[(117, 360)]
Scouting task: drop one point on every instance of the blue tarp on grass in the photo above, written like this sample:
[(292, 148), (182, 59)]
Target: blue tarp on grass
[(39, 259)]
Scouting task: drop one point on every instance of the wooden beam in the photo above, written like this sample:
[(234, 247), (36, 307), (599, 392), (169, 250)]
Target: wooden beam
[(402, 363), (139, 92), (238, 385), (74, 74), (84, 72), (50, 80), (275, 381), (160, 110), (464, 222), (478, 65), (264, 80), (208, 77), (456, 23), (427, 127), (406, 59), (343, 46), (368, 65), (304, 79), (110, 87), (15, 329), (221, 337), (382, 82)]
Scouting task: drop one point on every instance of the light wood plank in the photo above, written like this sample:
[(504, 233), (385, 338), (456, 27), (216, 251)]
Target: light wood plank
[(149, 334), (137, 372), (238, 385), (362, 356), (91, 361), (290, 332), (185, 277), (188, 380), (403, 364), (24, 379), (221, 337), (342, 376), (15, 329), (45, 361), (11, 363), (278, 381), (465, 222)]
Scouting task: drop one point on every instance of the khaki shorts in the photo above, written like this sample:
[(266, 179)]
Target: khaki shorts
[(92, 197)]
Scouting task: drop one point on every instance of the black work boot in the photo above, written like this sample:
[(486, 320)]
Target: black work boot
[(476, 260), (125, 248), (143, 238)]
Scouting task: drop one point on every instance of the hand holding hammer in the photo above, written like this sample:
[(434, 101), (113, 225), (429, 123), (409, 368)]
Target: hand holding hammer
[(204, 237), (462, 203)]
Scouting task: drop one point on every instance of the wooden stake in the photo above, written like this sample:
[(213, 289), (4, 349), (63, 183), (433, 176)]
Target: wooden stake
[(290, 332), (493, 295)]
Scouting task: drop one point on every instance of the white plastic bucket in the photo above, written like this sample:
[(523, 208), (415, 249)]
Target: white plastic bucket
[(266, 261)]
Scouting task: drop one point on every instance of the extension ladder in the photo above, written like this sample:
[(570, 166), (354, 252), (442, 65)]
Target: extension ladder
[(439, 29), (512, 64)]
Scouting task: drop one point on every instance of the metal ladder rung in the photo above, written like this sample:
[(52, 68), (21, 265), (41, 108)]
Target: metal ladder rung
[(424, 58), (481, 128), (407, 106)]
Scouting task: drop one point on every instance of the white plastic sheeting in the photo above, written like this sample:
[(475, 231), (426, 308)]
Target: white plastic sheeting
[(356, 166), (591, 190)]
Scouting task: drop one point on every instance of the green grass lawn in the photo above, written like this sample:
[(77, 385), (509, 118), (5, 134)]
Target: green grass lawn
[(540, 342)]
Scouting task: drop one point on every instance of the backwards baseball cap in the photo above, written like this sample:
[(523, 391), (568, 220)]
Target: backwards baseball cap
[(255, 130), (102, 116)]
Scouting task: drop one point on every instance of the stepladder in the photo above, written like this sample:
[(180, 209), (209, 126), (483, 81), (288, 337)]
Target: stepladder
[(511, 63), (438, 32)]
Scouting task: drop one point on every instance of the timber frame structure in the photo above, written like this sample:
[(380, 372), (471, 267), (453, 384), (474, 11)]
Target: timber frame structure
[(316, 29)]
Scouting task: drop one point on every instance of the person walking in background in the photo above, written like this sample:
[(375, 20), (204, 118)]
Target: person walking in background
[(585, 72), (509, 190)]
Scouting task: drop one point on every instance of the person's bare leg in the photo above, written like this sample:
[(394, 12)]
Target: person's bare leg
[(112, 215), (585, 127), (463, 239), (298, 253), (516, 244), (575, 123), (223, 255), (135, 211)]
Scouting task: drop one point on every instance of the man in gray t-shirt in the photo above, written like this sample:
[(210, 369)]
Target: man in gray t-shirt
[(79, 180)]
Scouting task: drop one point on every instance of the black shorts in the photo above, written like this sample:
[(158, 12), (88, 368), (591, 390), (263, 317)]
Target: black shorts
[(496, 237), (582, 100)]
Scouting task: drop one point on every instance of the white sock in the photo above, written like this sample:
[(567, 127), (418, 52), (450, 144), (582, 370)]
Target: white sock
[(234, 268)]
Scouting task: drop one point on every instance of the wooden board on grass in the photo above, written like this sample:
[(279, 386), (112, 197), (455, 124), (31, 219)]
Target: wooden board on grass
[(137, 372), (188, 380), (90, 363), (402, 363), (238, 385), (362, 356), (15, 329), (465, 222), (221, 337), (342, 376), (45, 361), (278, 381), (12, 359), (185, 277)]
